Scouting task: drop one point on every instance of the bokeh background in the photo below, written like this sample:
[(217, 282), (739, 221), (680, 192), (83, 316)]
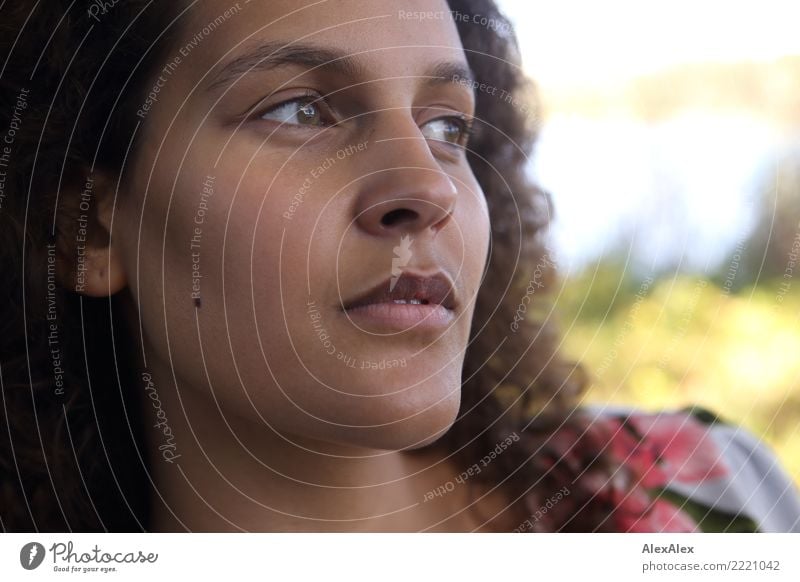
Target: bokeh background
[(670, 142)]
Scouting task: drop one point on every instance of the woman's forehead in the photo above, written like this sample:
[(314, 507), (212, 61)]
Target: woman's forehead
[(355, 25)]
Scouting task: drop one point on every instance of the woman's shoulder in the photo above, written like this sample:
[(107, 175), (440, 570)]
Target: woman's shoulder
[(697, 472)]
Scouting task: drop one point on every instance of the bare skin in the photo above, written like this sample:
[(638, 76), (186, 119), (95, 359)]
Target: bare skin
[(259, 425)]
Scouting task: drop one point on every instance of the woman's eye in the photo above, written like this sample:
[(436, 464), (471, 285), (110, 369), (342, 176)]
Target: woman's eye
[(452, 130), (301, 111)]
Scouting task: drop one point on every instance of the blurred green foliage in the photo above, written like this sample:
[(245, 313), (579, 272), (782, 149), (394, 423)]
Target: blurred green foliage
[(678, 340)]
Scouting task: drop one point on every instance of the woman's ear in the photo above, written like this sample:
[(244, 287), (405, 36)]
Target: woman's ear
[(89, 261)]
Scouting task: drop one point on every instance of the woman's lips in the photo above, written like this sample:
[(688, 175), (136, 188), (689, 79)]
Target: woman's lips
[(411, 302), (398, 317)]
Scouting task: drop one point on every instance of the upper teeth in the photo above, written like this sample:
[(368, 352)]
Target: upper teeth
[(411, 301)]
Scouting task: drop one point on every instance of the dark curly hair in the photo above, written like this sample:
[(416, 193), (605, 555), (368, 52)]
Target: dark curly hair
[(70, 440)]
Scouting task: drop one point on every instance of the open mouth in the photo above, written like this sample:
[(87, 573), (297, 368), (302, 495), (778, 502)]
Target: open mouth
[(411, 301)]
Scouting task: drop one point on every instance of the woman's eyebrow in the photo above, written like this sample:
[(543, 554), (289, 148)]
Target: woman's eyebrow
[(272, 55)]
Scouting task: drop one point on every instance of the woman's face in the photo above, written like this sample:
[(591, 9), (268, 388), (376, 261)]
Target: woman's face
[(267, 198)]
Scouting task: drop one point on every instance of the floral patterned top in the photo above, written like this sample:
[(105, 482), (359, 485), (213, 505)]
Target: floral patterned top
[(694, 472)]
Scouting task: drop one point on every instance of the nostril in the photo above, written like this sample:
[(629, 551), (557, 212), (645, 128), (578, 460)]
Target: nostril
[(399, 216)]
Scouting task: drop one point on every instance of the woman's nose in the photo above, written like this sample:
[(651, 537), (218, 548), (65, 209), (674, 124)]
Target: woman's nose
[(404, 190)]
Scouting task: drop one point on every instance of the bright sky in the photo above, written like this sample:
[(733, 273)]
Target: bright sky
[(689, 200), (569, 42)]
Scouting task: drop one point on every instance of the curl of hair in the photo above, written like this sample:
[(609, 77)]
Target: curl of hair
[(515, 381)]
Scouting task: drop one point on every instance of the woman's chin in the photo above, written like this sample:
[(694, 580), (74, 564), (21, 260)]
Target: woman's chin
[(409, 419), (414, 432)]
